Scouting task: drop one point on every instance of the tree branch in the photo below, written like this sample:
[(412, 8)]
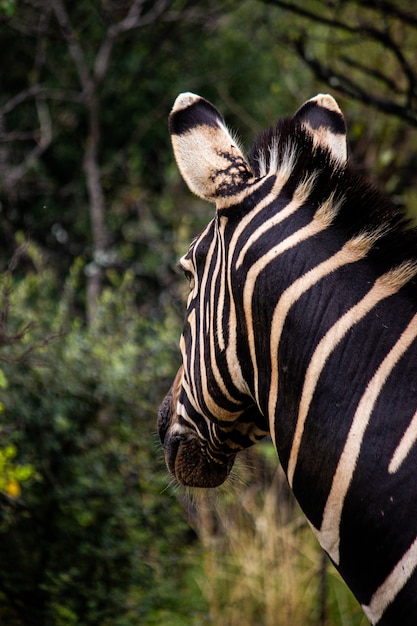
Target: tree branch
[(14, 174), (74, 47), (389, 9), (386, 34), (351, 88), (134, 19), (39, 91), (291, 7)]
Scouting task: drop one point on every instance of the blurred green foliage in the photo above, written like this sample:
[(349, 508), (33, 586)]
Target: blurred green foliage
[(87, 537), (12, 475), (90, 530)]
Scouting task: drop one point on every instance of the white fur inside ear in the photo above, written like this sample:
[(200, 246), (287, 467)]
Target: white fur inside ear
[(207, 155), (209, 161), (335, 144), (324, 120)]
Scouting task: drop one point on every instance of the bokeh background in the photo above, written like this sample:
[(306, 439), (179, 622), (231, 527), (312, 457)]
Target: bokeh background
[(93, 217)]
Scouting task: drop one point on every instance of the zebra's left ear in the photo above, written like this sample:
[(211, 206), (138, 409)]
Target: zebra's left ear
[(207, 156), (324, 120)]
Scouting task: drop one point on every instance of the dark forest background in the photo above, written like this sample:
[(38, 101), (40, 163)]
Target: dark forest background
[(93, 217)]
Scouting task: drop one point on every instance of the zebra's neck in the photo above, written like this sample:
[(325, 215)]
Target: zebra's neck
[(332, 342), (314, 296)]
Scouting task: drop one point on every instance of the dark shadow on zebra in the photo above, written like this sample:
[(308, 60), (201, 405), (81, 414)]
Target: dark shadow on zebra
[(301, 323)]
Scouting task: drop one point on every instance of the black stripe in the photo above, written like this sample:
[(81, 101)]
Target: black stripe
[(199, 113), (318, 116)]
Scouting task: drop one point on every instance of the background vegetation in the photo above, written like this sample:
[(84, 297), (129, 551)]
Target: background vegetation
[(93, 216)]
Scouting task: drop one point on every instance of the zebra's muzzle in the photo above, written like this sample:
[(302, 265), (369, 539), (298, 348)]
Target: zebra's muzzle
[(185, 454), (188, 462)]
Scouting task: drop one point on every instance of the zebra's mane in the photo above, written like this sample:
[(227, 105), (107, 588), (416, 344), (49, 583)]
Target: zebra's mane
[(363, 209)]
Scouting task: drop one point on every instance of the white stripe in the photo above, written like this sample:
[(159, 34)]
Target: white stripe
[(280, 178), (220, 304), (321, 220), (404, 447), (392, 585), (328, 535), (233, 364), (216, 321), (205, 361), (189, 367), (299, 198), (324, 348), (352, 251)]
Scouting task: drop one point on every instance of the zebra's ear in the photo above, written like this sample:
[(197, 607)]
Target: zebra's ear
[(324, 120), (207, 156)]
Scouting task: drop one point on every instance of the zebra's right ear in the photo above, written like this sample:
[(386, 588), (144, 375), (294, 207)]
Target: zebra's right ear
[(324, 120), (207, 156)]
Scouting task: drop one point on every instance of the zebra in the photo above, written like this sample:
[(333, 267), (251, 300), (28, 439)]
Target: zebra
[(301, 324)]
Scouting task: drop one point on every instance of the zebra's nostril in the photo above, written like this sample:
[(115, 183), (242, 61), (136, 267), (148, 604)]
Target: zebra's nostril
[(171, 451), (164, 417)]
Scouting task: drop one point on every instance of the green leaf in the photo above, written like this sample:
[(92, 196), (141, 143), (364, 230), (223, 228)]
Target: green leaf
[(3, 380)]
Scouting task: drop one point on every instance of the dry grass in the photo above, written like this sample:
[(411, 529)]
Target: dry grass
[(262, 564)]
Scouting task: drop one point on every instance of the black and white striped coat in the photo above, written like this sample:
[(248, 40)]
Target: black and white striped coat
[(302, 322)]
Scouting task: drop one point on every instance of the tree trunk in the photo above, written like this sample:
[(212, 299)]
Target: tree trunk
[(97, 207)]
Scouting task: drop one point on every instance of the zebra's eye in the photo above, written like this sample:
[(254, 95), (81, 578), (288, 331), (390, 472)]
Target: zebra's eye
[(190, 278), (185, 266)]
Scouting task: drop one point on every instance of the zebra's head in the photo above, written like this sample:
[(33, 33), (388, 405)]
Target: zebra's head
[(212, 410)]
